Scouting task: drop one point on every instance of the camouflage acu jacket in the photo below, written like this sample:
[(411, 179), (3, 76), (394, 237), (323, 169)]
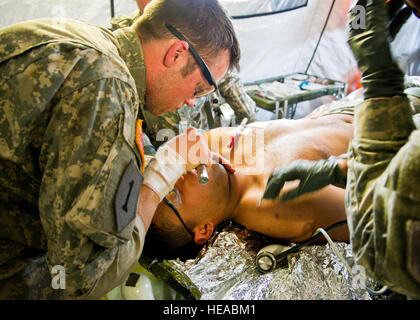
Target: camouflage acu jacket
[(69, 99), (383, 194)]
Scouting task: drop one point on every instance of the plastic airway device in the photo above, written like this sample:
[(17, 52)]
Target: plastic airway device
[(203, 176), (238, 132)]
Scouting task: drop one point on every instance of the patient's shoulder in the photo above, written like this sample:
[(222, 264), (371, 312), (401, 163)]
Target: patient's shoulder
[(337, 117)]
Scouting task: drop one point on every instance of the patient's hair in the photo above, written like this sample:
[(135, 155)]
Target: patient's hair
[(203, 22), (170, 241)]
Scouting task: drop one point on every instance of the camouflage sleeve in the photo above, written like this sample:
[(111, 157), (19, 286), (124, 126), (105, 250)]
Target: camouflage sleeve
[(382, 195), (87, 146), (233, 91), (123, 21), (160, 129)]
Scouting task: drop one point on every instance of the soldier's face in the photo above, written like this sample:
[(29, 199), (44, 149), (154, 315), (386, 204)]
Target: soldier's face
[(175, 89)]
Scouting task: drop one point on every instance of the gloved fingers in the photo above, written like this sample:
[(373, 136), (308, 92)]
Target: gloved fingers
[(273, 187), (289, 173), (292, 194), (272, 190), (305, 186)]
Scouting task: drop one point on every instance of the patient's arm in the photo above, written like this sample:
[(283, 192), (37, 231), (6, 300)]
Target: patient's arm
[(296, 220)]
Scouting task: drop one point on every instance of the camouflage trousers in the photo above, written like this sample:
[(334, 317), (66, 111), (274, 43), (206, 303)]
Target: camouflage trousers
[(348, 107), (335, 107)]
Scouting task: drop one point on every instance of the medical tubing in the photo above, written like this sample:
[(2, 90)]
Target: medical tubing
[(308, 242), (317, 234), (334, 247), (340, 256)]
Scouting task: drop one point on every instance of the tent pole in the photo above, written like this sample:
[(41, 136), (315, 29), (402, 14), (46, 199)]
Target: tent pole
[(320, 37), (112, 9)]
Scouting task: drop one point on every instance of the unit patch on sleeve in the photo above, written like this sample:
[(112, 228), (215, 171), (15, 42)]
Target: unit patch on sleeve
[(127, 196)]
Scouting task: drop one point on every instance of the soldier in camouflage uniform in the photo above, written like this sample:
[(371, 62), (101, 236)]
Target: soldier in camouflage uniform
[(231, 90), (71, 158), (58, 145), (382, 169)]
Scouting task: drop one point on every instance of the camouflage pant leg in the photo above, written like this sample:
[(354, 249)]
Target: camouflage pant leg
[(233, 91), (335, 107), (31, 283)]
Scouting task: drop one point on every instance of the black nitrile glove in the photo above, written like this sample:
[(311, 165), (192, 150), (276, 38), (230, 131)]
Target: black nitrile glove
[(313, 175), (398, 19), (381, 76)]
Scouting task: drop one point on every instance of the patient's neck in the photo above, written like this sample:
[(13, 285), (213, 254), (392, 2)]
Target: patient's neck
[(238, 185)]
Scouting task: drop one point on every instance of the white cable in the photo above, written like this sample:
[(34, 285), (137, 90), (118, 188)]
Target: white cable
[(381, 291), (340, 256), (334, 247)]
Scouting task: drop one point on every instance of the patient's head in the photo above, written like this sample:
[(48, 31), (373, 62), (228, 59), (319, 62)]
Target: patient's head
[(200, 207)]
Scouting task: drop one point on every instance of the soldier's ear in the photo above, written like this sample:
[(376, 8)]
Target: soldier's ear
[(176, 54)]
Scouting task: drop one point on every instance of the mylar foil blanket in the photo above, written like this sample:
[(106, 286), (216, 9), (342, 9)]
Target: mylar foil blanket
[(226, 270)]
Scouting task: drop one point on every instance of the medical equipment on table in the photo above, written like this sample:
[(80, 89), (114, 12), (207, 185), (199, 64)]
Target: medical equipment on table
[(282, 94)]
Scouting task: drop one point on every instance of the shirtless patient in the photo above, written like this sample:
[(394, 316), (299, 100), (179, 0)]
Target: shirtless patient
[(264, 147)]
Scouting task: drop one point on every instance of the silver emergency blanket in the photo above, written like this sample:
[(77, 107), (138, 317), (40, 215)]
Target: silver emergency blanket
[(226, 270)]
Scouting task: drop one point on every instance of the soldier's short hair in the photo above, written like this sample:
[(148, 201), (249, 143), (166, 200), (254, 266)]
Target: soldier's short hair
[(203, 22)]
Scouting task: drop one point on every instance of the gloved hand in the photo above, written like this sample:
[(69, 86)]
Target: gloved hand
[(381, 76), (313, 175), (398, 16)]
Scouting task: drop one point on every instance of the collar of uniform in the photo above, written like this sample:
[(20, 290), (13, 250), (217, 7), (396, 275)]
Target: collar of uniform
[(132, 53)]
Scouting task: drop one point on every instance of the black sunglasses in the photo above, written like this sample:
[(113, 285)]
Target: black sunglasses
[(170, 205), (202, 65)]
